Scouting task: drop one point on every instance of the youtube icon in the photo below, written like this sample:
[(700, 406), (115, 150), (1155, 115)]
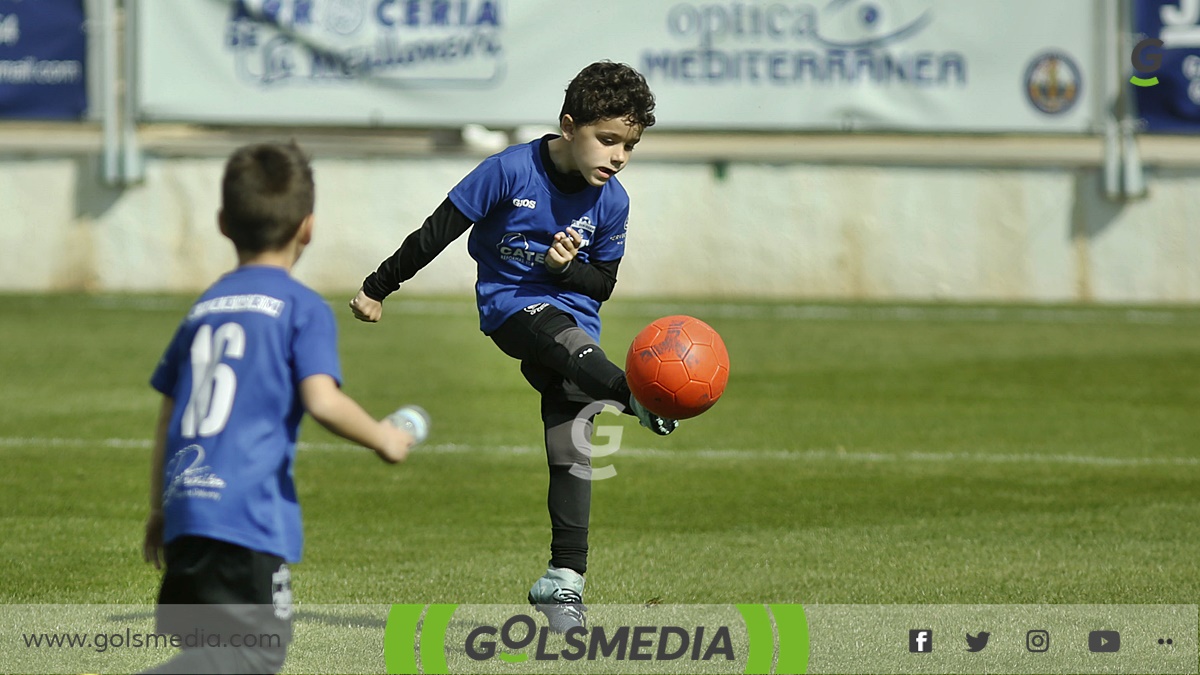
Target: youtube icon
[(1104, 641)]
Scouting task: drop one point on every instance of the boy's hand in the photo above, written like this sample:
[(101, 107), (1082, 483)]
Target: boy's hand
[(152, 546), (564, 249), (365, 308), (397, 442)]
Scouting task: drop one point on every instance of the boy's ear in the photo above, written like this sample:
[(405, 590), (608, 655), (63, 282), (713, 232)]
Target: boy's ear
[(567, 126), (305, 233)]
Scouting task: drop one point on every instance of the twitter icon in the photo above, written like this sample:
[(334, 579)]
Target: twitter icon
[(976, 643)]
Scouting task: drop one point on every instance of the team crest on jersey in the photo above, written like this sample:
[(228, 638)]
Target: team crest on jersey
[(586, 229)]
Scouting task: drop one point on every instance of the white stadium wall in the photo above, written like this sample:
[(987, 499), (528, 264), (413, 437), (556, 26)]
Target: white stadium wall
[(741, 230)]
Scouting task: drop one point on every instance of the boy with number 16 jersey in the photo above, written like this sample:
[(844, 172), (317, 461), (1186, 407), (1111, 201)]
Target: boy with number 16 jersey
[(255, 352)]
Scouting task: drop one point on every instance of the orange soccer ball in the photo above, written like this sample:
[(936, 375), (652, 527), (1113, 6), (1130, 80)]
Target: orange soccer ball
[(677, 367)]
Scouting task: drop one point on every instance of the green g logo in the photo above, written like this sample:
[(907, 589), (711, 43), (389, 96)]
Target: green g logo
[(1146, 58)]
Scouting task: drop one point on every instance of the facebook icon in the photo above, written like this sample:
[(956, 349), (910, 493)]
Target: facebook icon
[(920, 641)]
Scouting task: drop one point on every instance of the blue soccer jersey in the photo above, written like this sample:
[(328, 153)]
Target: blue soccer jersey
[(517, 211), (234, 369)]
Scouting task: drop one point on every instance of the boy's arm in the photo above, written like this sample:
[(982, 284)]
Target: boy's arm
[(594, 279), (153, 543), (339, 413), (443, 226)]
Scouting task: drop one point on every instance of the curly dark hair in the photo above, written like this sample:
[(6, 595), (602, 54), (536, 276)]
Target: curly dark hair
[(606, 90), (267, 191)]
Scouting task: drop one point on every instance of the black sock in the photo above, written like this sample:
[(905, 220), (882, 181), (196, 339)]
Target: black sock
[(569, 501)]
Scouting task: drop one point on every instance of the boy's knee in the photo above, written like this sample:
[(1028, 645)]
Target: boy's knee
[(575, 340), (569, 443)]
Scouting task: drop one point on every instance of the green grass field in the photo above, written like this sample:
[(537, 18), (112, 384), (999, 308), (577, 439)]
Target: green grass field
[(862, 454)]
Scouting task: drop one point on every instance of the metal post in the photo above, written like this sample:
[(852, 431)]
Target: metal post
[(132, 162), (111, 149), (1133, 175), (1108, 77)]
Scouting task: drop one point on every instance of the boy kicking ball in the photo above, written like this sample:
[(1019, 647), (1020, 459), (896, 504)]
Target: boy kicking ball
[(256, 351), (548, 221)]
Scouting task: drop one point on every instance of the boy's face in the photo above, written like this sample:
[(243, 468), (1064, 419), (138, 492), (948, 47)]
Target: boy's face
[(602, 149)]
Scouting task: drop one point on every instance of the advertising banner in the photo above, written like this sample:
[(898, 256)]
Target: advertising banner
[(920, 65), (1166, 61), (42, 53)]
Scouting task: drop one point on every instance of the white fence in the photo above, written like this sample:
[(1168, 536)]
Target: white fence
[(934, 227)]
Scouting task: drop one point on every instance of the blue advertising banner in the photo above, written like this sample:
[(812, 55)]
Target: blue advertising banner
[(42, 52), (1166, 62)]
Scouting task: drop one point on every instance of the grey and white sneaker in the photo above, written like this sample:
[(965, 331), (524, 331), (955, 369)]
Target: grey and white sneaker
[(559, 595), (656, 423)]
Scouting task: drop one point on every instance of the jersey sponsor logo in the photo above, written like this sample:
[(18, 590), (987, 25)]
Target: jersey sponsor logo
[(525, 203), (187, 476), (514, 247), (624, 231)]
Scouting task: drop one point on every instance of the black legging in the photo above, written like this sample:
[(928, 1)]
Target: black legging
[(566, 366)]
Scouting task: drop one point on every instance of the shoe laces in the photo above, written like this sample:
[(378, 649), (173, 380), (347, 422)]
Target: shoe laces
[(566, 596), (568, 603), (575, 612)]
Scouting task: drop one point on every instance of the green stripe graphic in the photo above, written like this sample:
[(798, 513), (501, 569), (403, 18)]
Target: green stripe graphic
[(762, 641), (433, 639), (400, 639), (793, 638)]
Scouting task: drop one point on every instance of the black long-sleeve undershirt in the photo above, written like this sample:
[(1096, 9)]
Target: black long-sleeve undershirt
[(443, 226), (595, 279)]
